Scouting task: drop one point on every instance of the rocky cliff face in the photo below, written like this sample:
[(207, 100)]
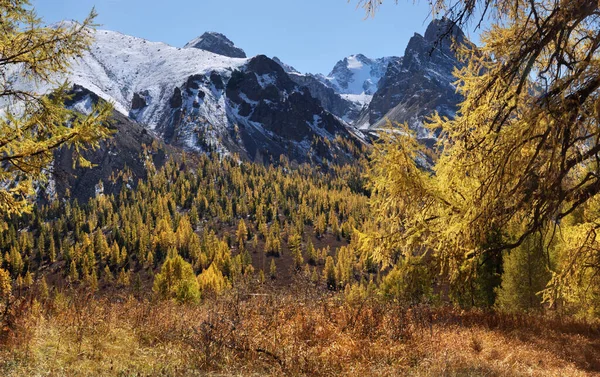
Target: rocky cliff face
[(421, 83), (263, 114), (331, 100), (119, 161), (216, 43)]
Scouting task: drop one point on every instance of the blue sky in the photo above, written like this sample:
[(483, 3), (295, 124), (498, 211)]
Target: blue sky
[(311, 35)]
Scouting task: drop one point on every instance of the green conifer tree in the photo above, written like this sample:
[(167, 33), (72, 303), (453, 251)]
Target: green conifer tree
[(526, 273)]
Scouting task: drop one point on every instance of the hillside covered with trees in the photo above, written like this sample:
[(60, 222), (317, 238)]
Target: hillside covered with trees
[(474, 256)]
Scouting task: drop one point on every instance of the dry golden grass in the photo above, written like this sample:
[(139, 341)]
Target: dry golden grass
[(293, 333)]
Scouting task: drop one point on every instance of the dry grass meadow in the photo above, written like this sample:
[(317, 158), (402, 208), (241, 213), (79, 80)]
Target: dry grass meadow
[(302, 332)]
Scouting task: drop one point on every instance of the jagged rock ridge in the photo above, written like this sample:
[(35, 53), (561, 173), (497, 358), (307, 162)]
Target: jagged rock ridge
[(421, 83), (206, 101)]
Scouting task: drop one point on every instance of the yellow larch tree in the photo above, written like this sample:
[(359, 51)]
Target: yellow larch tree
[(521, 157), (32, 124)]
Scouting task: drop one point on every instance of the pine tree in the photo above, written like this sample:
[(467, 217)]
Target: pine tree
[(329, 273), (15, 261), (92, 280), (273, 269), (295, 246), (52, 250), (115, 254), (177, 280), (101, 245), (255, 243), (73, 273), (28, 279), (334, 223), (212, 280), (311, 253), (344, 268), (241, 234), (246, 262), (108, 276), (5, 287), (194, 217), (43, 291), (320, 225), (41, 247), (137, 284), (314, 277), (19, 283), (526, 274), (123, 279)]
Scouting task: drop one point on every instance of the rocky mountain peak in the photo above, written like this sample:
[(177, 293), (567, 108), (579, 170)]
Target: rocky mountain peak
[(286, 67), (350, 62), (421, 84), (435, 48), (443, 27), (216, 43), (263, 65)]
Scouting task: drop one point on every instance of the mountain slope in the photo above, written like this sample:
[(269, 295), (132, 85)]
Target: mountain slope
[(121, 157), (358, 75), (185, 97), (420, 84), (263, 114)]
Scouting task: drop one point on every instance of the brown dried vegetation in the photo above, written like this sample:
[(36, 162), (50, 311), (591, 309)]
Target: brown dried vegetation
[(302, 332)]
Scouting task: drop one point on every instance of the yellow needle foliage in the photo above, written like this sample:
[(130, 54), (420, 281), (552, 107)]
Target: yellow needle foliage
[(33, 125), (177, 280), (520, 157)]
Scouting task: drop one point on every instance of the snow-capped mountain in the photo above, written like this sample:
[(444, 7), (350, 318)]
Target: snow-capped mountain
[(259, 107), (348, 88), (357, 75), (204, 101), (421, 83), (140, 76), (203, 98), (366, 93)]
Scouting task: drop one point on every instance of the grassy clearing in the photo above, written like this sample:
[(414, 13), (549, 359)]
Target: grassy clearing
[(293, 333)]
